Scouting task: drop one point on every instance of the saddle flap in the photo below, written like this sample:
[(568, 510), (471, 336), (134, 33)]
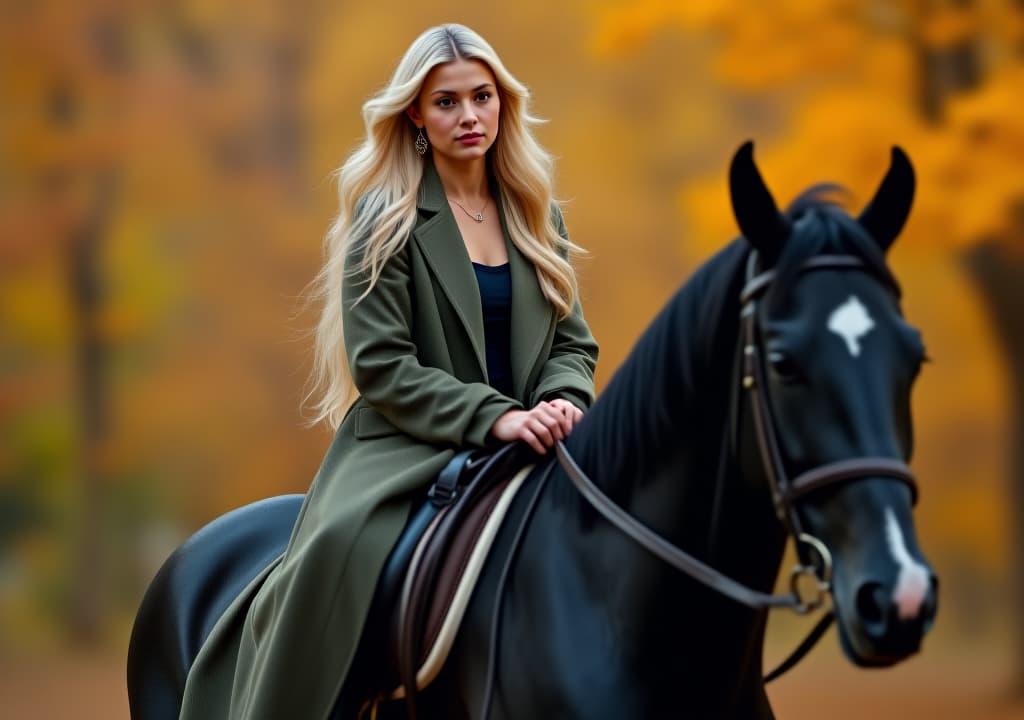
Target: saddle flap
[(438, 572), (451, 564)]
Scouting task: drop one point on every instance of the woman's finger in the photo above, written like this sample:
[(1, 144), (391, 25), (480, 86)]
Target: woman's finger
[(546, 412), (554, 422), (564, 419), (556, 411), (575, 414), (531, 440), (541, 431)]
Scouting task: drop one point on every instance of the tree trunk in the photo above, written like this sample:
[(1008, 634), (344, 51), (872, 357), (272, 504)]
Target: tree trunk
[(999, 276), (87, 601), (944, 72)]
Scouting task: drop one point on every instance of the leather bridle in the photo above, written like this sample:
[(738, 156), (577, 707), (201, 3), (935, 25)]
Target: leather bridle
[(785, 491)]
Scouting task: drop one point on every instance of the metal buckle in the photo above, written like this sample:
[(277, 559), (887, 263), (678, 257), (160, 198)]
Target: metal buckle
[(822, 576), (442, 495)]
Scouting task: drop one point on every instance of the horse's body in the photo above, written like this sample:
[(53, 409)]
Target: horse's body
[(592, 624)]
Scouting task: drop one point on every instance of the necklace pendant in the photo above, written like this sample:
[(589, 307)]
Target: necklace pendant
[(479, 217)]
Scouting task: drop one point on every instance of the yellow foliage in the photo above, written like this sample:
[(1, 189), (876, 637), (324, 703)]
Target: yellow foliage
[(764, 44), (623, 29), (969, 168), (838, 136), (948, 25), (974, 523), (770, 45), (36, 309), (980, 178)]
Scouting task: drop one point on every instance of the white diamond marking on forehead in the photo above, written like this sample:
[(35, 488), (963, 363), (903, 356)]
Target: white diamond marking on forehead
[(851, 322)]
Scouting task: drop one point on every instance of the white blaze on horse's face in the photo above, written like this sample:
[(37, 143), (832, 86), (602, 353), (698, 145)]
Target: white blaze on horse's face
[(851, 322), (912, 584)]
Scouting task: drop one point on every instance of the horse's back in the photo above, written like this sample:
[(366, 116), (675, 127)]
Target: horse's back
[(192, 590)]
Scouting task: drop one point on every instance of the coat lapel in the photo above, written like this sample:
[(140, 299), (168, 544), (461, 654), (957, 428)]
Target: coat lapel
[(441, 242), (439, 238)]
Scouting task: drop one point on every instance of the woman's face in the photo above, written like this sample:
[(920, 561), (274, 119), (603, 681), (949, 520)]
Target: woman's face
[(458, 110)]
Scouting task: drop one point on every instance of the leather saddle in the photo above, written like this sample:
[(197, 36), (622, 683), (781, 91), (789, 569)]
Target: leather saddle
[(421, 593), (205, 574)]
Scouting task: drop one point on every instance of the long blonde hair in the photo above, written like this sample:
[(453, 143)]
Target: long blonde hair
[(383, 176)]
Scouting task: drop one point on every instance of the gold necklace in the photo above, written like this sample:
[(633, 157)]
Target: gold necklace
[(479, 216)]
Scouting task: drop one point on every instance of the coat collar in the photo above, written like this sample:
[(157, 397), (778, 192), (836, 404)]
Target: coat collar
[(441, 242)]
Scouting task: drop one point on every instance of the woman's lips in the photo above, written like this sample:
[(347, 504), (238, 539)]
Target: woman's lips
[(471, 139)]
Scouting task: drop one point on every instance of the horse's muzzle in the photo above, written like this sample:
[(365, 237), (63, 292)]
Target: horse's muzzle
[(885, 623)]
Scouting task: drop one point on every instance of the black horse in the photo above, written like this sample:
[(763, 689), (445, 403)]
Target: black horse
[(769, 398)]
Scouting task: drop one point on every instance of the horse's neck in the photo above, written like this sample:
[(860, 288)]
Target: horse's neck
[(656, 434), (654, 442)]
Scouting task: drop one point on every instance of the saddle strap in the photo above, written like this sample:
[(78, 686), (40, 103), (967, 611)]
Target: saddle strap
[(499, 594)]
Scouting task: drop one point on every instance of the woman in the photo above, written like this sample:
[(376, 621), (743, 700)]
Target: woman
[(451, 308)]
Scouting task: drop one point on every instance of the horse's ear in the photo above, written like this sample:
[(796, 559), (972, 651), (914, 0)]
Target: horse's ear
[(758, 217), (885, 215)]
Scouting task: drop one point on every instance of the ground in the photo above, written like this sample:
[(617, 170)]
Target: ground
[(91, 686)]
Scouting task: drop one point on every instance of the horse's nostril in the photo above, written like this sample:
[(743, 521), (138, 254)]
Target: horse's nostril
[(871, 604)]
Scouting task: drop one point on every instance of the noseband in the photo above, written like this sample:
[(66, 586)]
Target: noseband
[(784, 490)]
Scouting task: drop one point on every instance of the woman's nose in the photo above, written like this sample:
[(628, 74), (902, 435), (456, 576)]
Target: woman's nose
[(468, 114)]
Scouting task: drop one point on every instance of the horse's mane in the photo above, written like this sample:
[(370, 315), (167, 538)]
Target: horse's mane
[(674, 387), (665, 393)]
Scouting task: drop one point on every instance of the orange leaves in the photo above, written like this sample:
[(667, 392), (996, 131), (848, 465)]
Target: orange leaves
[(772, 44), (624, 28), (762, 44), (986, 171), (855, 76), (837, 136), (945, 26)]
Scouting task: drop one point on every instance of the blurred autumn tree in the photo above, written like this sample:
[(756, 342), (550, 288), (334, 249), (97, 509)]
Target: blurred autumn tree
[(940, 77), (121, 121)]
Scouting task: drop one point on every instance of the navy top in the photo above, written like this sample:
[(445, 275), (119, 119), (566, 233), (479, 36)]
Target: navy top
[(495, 283)]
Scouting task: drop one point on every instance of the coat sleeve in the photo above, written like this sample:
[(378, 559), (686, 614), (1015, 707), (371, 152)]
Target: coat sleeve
[(425, 402), (569, 370)]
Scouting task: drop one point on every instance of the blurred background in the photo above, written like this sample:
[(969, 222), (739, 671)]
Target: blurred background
[(165, 187)]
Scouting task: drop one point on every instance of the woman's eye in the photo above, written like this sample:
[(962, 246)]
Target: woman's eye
[(483, 97), (445, 102)]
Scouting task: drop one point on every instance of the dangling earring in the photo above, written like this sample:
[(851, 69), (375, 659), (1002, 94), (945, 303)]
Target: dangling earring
[(421, 143)]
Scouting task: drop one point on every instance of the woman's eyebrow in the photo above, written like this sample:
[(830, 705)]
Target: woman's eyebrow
[(478, 88)]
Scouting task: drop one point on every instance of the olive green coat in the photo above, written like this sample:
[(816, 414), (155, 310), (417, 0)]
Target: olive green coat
[(416, 349)]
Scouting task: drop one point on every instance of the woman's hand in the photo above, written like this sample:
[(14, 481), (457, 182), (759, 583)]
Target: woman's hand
[(539, 427), (572, 413)]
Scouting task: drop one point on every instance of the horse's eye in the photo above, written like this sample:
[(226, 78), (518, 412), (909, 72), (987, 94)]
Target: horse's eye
[(784, 367)]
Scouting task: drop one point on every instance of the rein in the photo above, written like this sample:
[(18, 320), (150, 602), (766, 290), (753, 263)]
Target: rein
[(784, 491)]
